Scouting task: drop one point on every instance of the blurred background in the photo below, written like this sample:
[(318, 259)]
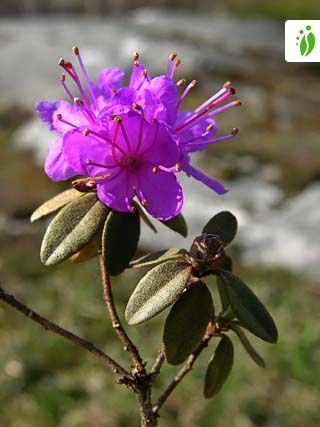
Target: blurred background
[(272, 169)]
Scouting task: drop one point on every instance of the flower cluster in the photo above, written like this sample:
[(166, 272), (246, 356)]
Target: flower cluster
[(131, 141)]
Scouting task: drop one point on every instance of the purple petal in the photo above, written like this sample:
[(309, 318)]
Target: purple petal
[(110, 79), (45, 109), (56, 167), (118, 192), (69, 113), (77, 149), (164, 95), (160, 147), (209, 182), (162, 192), (137, 79)]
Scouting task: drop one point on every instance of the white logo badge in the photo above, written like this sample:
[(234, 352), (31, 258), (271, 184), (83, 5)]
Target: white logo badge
[(302, 41)]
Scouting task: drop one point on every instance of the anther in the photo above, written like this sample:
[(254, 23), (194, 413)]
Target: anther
[(61, 62), (173, 56), (235, 131), (136, 106), (178, 167), (227, 84), (144, 202), (232, 91), (177, 63), (237, 103), (155, 169), (75, 50), (62, 77), (136, 56), (117, 119), (154, 119), (209, 127), (85, 132), (59, 116), (133, 209), (88, 161), (78, 101), (144, 73), (181, 82), (193, 83), (68, 64)]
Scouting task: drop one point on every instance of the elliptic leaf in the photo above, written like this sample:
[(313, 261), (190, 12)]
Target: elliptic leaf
[(120, 240), (249, 310), (187, 322), (158, 289), (72, 228), (177, 224), (158, 257), (224, 225), (219, 367), (57, 202), (255, 356), (88, 251)]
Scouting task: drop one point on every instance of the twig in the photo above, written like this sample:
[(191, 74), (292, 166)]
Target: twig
[(117, 326), (50, 326), (155, 370), (183, 372)]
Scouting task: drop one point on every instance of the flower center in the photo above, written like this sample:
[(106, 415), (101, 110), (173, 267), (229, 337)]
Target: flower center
[(130, 162)]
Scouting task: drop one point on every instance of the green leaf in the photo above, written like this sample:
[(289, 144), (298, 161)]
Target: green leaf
[(255, 356), (224, 225), (219, 367), (57, 202), (247, 307), (158, 289), (158, 257), (120, 240), (187, 322), (72, 228), (177, 224)]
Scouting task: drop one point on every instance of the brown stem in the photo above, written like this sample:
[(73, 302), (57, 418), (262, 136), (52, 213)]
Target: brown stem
[(184, 370), (148, 417), (50, 326), (117, 326), (155, 370)]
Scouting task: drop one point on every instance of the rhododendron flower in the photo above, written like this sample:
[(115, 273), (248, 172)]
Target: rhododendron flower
[(131, 141)]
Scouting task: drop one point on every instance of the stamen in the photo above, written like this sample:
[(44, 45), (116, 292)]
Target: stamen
[(226, 90), (133, 209), (227, 84), (88, 131), (136, 56), (190, 86), (209, 127), (144, 202), (78, 101), (155, 169), (206, 111), (90, 162), (117, 120), (170, 64), (136, 106), (85, 75), (200, 145), (62, 80), (178, 167), (235, 131), (225, 107), (59, 117), (181, 82)]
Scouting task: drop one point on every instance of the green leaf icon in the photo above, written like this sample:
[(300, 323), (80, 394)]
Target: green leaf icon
[(307, 43)]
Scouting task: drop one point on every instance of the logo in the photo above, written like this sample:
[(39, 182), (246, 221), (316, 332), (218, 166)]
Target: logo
[(302, 41)]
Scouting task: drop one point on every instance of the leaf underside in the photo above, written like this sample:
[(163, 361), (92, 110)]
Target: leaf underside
[(158, 289), (72, 228)]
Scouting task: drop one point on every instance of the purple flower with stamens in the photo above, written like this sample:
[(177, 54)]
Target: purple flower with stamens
[(131, 141)]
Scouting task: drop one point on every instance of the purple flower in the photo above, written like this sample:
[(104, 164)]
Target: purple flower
[(131, 141)]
